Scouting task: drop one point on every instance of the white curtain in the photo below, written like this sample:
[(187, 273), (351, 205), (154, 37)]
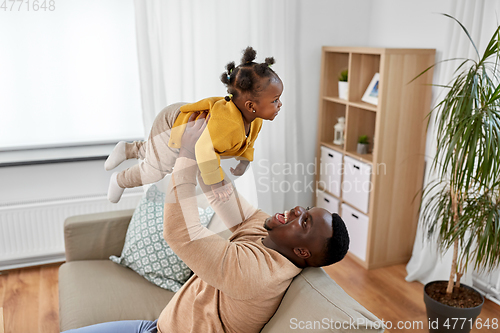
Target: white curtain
[(480, 17), (183, 47)]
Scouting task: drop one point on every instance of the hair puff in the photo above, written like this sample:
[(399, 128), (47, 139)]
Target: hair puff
[(249, 55), (230, 67), (244, 80), (260, 69), (269, 61), (247, 78)]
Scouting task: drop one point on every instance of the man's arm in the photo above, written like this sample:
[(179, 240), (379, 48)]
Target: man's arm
[(233, 211), (234, 268), (220, 263)]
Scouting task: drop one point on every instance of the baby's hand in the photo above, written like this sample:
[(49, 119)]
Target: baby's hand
[(240, 168), (222, 191)]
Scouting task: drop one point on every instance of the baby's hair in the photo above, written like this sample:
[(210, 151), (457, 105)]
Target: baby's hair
[(247, 77)]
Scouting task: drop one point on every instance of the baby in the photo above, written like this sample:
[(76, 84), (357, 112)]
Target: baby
[(254, 91)]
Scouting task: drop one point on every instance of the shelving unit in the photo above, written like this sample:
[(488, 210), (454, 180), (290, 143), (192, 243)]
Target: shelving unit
[(382, 232)]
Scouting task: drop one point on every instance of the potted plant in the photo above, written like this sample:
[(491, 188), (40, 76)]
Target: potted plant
[(343, 75), (461, 207), (363, 144)]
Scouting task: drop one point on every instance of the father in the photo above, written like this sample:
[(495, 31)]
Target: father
[(238, 283)]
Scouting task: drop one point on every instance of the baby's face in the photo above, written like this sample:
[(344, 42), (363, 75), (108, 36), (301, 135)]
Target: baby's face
[(268, 104)]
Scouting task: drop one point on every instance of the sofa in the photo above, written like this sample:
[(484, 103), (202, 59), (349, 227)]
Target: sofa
[(93, 289)]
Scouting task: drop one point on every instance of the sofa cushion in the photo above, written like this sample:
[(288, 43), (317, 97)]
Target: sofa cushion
[(146, 252), (316, 303), (95, 236), (96, 291)]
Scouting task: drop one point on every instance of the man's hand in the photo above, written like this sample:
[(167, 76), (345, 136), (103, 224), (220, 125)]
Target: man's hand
[(222, 190), (240, 168), (193, 131)]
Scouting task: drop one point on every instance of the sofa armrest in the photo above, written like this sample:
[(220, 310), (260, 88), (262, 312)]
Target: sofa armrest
[(96, 236), (316, 303)]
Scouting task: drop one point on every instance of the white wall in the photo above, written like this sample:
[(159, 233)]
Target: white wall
[(381, 23), (409, 24), (323, 22)]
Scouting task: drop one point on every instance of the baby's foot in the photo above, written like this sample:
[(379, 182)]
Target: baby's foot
[(114, 190), (116, 157)]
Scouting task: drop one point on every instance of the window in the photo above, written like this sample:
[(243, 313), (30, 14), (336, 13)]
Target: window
[(69, 75)]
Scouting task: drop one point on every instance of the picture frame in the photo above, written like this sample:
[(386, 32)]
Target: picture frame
[(371, 93)]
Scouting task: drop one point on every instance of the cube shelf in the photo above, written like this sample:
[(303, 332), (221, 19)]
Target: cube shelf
[(336, 62), (360, 122), (362, 69), (395, 126), (332, 111)]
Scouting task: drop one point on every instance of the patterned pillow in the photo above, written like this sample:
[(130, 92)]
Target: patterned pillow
[(146, 251)]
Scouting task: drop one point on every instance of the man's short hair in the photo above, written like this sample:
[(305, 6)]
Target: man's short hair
[(336, 247)]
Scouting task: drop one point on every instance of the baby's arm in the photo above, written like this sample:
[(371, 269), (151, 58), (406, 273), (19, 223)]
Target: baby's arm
[(240, 168), (247, 155)]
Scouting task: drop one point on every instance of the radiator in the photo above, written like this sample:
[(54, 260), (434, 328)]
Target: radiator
[(31, 233), (488, 284)]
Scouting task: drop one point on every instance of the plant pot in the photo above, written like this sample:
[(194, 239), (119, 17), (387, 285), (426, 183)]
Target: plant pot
[(343, 90), (362, 148), (445, 318)]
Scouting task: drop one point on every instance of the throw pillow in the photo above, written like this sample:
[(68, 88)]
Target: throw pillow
[(146, 251)]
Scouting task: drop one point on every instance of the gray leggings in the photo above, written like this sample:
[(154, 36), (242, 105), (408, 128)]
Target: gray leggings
[(158, 158), (125, 326)]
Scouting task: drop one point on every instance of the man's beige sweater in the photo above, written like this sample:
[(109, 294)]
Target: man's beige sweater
[(238, 283)]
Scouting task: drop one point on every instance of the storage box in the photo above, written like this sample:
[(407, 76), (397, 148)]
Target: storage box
[(326, 201), (330, 170), (357, 225), (357, 183)]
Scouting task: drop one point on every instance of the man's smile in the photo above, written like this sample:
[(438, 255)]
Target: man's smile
[(277, 219)]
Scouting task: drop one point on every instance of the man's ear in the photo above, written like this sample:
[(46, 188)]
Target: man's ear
[(302, 252)]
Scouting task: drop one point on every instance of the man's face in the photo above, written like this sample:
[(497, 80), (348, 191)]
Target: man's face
[(301, 228)]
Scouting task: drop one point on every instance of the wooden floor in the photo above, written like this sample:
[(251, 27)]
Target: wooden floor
[(386, 294), (29, 297)]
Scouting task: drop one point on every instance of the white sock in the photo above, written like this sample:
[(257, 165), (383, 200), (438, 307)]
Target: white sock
[(114, 190), (116, 157)]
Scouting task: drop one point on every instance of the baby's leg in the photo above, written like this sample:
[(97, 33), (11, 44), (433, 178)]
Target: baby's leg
[(125, 151), (148, 171), (159, 158), (136, 149)]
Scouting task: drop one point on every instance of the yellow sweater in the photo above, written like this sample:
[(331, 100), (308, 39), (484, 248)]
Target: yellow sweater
[(225, 136), (238, 283)]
